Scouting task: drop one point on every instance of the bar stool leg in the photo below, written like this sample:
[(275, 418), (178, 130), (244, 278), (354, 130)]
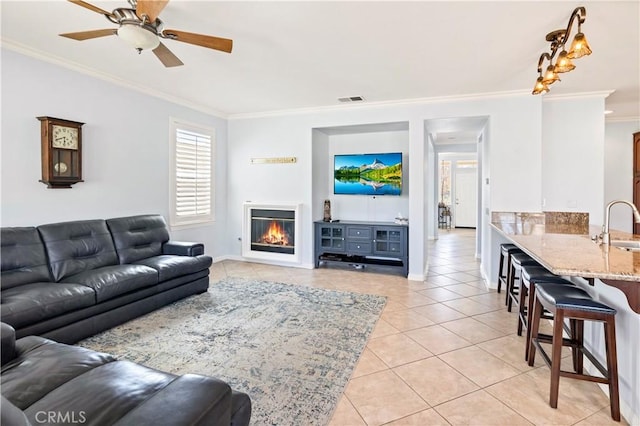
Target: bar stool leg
[(510, 272), (524, 290), (612, 367), (510, 285), (500, 271), (556, 357), (531, 300), (577, 335), (534, 327)]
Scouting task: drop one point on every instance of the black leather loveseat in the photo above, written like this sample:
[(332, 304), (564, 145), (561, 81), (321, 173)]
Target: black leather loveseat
[(67, 281), (44, 382)]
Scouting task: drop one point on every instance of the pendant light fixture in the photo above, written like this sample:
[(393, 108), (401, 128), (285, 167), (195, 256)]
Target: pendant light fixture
[(558, 39)]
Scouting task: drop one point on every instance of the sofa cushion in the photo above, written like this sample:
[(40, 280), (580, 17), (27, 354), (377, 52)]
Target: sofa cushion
[(43, 365), (104, 394), (169, 266), (23, 257), (138, 237), (111, 281), (77, 246), (35, 302)]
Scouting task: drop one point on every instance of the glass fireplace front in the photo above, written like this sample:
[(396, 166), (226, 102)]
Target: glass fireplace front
[(273, 230)]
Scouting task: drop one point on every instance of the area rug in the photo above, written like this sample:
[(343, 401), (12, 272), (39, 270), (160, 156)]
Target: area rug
[(291, 348)]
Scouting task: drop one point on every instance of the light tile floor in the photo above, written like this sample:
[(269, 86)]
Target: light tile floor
[(445, 351)]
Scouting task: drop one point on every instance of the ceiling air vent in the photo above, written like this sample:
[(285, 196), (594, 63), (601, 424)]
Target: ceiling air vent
[(351, 99)]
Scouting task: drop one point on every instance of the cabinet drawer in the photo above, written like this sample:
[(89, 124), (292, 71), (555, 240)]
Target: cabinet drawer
[(359, 232), (358, 247)]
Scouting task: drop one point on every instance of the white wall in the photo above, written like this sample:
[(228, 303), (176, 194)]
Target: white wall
[(321, 172), (573, 156), (515, 129), (125, 150), (618, 165), (362, 207)]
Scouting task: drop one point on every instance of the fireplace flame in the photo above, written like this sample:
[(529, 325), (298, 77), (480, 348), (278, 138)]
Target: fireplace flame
[(275, 235)]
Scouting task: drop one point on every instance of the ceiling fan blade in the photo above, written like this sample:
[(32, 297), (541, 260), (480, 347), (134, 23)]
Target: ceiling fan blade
[(151, 8), (91, 7), (217, 43), (166, 56), (86, 35)]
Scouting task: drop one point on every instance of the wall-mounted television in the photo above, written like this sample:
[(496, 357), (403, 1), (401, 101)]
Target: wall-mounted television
[(368, 174)]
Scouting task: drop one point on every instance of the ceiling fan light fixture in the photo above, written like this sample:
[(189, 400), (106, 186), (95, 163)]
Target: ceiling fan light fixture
[(139, 37)]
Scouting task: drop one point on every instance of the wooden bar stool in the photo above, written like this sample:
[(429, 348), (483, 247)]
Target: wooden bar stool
[(518, 260), (527, 273), (505, 260), (576, 305), (528, 292)]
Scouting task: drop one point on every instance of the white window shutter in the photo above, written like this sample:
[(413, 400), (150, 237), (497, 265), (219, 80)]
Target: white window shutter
[(193, 175)]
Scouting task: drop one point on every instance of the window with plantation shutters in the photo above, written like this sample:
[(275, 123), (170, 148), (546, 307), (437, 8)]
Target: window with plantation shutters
[(192, 167)]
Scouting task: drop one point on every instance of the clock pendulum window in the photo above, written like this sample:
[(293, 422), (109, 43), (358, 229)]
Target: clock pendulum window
[(61, 143)]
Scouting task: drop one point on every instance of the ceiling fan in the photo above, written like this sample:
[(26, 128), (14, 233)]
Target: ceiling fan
[(140, 26)]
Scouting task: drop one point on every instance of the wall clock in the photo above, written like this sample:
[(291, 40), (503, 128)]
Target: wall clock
[(61, 142)]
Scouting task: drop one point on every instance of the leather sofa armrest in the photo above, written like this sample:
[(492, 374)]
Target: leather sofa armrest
[(240, 408), (8, 338), (190, 399), (12, 415), (182, 248)]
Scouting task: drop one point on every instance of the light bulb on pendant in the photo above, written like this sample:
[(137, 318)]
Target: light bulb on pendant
[(550, 76), (564, 63), (540, 87), (579, 47)]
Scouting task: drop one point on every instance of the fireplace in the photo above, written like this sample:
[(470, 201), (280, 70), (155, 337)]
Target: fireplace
[(273, 230), (270, 232)]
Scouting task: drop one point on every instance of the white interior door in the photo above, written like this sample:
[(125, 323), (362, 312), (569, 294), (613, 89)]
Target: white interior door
[(465, 198)]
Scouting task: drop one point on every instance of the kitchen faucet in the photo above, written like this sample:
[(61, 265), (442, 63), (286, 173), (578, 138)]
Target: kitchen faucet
[(605, 237)]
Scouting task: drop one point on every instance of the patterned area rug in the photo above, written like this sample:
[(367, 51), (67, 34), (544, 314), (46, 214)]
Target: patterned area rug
[(291, 348)]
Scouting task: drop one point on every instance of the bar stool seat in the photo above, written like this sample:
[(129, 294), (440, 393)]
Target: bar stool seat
[(576, 305), (517, 261), (528, 272), (505, 257)]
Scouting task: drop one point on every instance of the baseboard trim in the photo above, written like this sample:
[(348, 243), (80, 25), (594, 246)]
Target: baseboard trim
[(264, 262)]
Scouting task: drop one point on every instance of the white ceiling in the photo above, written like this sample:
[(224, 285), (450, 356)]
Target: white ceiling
[(291, 54)]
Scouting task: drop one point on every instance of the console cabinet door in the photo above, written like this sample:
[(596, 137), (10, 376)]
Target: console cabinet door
[(389, 241), (331, 238)]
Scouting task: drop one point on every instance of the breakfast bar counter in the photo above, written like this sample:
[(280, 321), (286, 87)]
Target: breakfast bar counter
[(568, 250)]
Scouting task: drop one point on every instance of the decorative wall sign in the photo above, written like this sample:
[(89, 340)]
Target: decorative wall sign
[(274, 160)]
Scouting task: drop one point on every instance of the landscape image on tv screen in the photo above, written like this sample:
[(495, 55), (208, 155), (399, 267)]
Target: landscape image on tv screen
[(368, 174)]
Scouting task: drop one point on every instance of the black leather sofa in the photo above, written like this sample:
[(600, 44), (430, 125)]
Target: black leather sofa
[(44, 382), (67, 281)]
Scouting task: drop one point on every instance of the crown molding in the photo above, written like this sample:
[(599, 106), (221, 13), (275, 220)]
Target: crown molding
[(74, 66), (628, 119), (380, 104), (580, 95)]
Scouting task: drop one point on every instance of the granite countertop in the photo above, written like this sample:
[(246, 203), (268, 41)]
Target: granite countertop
[(565, 247)]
